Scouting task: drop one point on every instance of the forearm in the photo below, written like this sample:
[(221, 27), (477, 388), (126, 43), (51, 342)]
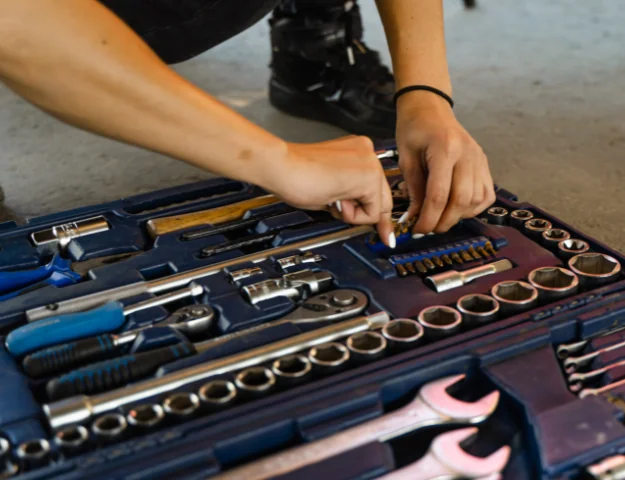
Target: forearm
[(79, 62), (416, 37)]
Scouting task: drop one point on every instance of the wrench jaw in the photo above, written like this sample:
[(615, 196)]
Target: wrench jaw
[(435, 395)]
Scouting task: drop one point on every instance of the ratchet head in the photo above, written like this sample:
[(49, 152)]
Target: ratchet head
[(193, 319), (446, 448), (435, 395)]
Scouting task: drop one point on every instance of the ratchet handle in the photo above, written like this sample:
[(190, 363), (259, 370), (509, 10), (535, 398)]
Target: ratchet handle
[(65, 328), (116, 373), (62, 358)]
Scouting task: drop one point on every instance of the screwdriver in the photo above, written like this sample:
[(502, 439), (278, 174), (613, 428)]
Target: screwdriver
[(65, 328)]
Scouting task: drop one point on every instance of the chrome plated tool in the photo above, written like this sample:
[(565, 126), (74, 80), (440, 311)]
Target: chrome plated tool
[(442, 282)]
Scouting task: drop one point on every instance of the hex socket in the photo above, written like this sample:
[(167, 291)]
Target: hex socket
[(72, 440), (181, 404), (535, 227), (478, 309), (594, 269), (33, 453), (514, 297), (440, 321), (5, 450), (366, 346), (553, 283), (255, 381), (217, 393), (329, 357), (552, 237), (573, 246), (402, 333), (147, 415), (109, 427), (497, 216), (292, 369), (519, 217)]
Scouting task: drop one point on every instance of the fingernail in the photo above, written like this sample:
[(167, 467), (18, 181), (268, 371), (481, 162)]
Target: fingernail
[(338, 206), (417, 236), (403, 218), (392, 242), (431, 233)]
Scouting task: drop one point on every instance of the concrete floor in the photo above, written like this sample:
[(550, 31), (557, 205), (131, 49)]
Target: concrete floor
[(539, 84)]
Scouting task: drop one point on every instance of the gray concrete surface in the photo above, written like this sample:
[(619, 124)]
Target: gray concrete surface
[(539, 84)]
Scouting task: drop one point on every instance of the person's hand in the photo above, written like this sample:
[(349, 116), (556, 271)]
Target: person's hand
[(446, 172), (344, 174)]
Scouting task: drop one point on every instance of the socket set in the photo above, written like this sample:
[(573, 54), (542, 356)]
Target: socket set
[(211, 331)]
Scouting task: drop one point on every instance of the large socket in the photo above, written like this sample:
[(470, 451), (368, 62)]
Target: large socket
[(33, 454), (594, 269), (553, 283), (366, 346), (440, 321), (110, 427), (478, 309), (255, 381), (515, 297), (403, 333), (72, 440), (181, 405), (217, 394), (291, 370), (147, 415), (329, 358)]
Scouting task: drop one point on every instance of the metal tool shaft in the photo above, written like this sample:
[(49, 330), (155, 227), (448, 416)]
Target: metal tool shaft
[(181, 279), (443, 282)]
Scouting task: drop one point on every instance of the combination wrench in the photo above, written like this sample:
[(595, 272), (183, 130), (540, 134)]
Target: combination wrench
[(572, 364)]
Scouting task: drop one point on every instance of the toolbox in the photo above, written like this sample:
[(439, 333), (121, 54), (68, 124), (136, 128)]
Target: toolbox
[(209, 330)]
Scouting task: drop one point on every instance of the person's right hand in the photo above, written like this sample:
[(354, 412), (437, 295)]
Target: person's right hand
[(344, 174)]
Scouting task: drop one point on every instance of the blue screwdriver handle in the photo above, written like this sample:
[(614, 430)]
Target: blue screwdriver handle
[(11, 281), (57, 279), (65, 328)]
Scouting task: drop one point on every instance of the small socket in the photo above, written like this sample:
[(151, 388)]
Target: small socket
[(34, 453), (571, 247), (497, 215), (440, 321), (366, 346), (291, 369), (402, 333), (552, 237), (535, 227), (255, 380), (328, 357), (71, 440), (477, 309), (594, 269), (514, 297), (147, 415), (218, 393), (553, 283), (109, 426), (181, 404), (519, 217)]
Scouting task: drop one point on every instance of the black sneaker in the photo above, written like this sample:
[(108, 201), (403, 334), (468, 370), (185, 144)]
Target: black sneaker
[(322, 70)]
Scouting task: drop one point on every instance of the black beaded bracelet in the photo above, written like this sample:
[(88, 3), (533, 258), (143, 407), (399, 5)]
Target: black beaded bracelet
[(427, 88)]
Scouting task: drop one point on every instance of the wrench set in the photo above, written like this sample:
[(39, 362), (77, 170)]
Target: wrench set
[(210, 331)]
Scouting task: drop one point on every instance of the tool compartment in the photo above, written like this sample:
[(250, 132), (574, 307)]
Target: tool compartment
[(552, 433)]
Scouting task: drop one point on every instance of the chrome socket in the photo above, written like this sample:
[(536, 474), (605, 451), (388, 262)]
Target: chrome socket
[(181, 405), (514, 297), (328, 358), (594, 269), (440, 321), (148, 415), (551, 238), (553, 283), (497, 216), (571, 247), (5, 451), (217, 394), (478, 309), (72, 440), (109, 427), (403, 333), (292, 369), (255, 381), (519, 217), (535, 227), (33, 454), (366, 346)]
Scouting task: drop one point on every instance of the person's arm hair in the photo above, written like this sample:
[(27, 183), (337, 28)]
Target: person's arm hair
[(78, 61)]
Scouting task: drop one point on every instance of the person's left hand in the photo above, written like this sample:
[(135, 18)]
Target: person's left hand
[(446, 172)]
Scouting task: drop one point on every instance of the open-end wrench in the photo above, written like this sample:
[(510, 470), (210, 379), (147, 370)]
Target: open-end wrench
[(572, 364), (584, 377), (432, 406), (566, 349), (447, 460), (587, 392)]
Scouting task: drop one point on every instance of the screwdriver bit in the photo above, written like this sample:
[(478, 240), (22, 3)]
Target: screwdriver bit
[(447, 260), (456, 258), (465, 256), (428, 263), (489, 248), (401, 271), (482, 252), (419, 265), (438, 262), (410, 267), (474, 254)]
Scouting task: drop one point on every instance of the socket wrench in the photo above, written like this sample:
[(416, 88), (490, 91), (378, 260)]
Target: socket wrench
[(366, 346), (181, 404), (109, 427), (292, 285), (551, 238), (328, 358), (217, 394), (445, 281), (291, 370), (440, 321), (535, 227), (403, 333), (595, 269), (33, 454), (147, 415), (478, 309), (497, 215), (571, 247), (72, 440), (255, 381), (515, 297), (519, 217), (553, 283)]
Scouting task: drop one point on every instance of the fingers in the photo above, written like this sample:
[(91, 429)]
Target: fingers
[(460, 199), (414, 178), (385, 225)]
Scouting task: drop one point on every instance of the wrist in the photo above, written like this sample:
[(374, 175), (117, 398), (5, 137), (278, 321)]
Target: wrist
[(422, 100)]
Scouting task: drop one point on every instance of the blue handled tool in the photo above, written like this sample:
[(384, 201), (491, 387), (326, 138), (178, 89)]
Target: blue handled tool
[(66, 328)]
